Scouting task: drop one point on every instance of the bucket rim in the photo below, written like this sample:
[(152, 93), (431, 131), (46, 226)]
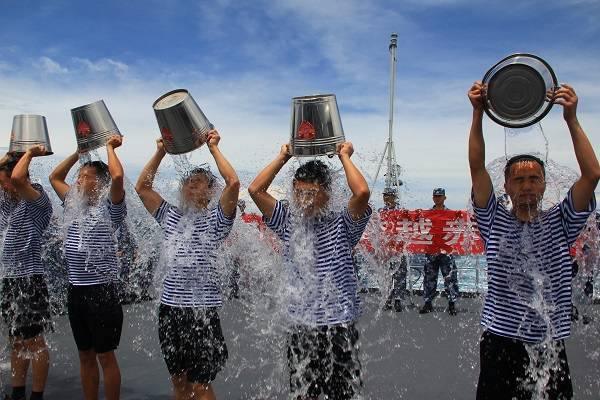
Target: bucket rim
[(168, 94), (29, 116), (175, 150), (314, 97)]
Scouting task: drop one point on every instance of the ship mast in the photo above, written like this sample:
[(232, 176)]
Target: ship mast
[(392, 175)]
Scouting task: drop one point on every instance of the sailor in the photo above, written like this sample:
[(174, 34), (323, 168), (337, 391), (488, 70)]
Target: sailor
[(322, 341), (439, 262), (189, 327), (528, 260), (397, 262), (25, 212), (95, 209)]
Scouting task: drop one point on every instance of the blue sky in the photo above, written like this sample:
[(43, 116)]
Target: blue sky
[(243, 61)]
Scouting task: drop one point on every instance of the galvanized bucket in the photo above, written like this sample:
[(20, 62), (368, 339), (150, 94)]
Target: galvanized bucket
[(517, 90), (93, 125), (27, 131), (183, 126), (316, 127)]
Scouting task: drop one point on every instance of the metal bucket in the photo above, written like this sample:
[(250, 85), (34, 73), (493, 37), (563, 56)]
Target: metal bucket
[(183, 126), (517, 90), (28, 131), (316, 127), (93, 125)]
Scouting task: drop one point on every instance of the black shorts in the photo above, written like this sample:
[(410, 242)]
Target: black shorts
[(504, 369), (96, 317), (324, 360), (192, 342), (25, 307)]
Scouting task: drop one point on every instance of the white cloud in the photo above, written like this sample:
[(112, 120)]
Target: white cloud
[(252, 114), (48, 65), (251, 107), (108, 65)]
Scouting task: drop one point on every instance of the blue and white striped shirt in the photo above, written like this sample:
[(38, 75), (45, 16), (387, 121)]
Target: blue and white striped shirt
[(90, 246), (23, 223), (190, 254), (529, 270), (317, 255)]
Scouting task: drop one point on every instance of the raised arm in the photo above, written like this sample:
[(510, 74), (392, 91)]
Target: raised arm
[(143, 187), (582, 190), (20, 174), (258, 187), (480, 178), (229, 197), (117, 178), (359, 201), (59, 174)]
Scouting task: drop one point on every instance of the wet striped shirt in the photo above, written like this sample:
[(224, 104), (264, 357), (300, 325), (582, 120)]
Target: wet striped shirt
[(23, 223), (90, 245), (529, 270), (190, 254), (321, 287)]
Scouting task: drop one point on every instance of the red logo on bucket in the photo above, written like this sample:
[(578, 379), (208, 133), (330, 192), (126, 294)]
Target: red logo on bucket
[(83, 129), (166, 134), (306, 131)]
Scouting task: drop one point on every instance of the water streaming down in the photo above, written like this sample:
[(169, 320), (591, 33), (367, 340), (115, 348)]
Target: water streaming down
[(528, 140), (529, 278), (259, 317), (136, 253)]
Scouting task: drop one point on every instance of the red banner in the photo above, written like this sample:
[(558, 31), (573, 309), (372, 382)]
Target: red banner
[(423, 231), (416, 231)]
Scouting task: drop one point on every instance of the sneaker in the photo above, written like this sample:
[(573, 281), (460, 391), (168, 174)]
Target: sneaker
[(451, 308), (427, 308)]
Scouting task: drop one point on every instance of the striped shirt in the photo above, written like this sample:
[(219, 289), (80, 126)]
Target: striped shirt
[(23, 223), (321, 287), (190, 254), (529, 270), (90, 245)]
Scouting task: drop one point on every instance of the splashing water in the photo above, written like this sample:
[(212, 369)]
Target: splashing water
[(530, 279), (528, 140), (255, 323)]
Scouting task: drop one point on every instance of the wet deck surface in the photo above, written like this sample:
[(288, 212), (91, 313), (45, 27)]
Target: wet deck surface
[(404, 355)]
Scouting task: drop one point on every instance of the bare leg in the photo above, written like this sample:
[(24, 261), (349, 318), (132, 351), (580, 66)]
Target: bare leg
[(90, 375), (202, 391), (19, 363), (181, 387), (112, 375), (40, 362)]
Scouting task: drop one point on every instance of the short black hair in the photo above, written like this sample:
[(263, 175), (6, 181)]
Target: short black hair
[(101, 168), (9, 166), (205, 172), (523, 157), (314, 171)]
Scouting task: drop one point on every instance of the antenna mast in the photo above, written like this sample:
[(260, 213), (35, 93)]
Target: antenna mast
[(392, 176)]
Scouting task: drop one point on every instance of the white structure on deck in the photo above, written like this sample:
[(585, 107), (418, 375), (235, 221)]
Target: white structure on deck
[(392, 175)]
